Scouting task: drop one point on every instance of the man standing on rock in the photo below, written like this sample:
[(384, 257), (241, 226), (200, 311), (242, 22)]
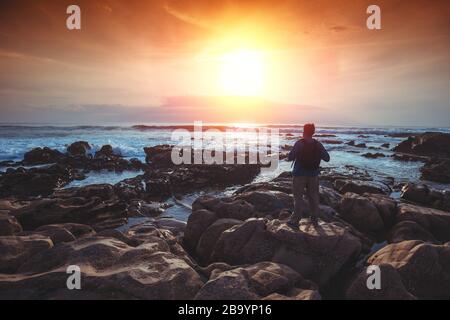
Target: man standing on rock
[(307, 154)]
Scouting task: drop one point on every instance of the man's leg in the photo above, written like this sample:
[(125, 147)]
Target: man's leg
[(298, 190), (313, 197)]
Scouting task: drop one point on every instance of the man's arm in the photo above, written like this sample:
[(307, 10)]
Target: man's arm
[(324, 153), (293, 154)]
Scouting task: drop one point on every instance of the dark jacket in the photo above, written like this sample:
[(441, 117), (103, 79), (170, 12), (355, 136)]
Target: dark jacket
[(298, 170)]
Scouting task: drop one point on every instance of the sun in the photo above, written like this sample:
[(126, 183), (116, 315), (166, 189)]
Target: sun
[(243, 73)]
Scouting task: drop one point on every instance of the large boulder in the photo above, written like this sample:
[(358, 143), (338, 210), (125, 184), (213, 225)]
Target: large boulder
[(160, 155), (424, 268), (65, 232), (35, 181), (16, 250), (198, 222), (110, 269), (410, 230), (210, 236), (360, 212), (233, 208), (268, 202), (360, 187), (424, 195), (79, 149), (316, 253), (437, 170), (105, 151), (9, 225), (265, 280), (42, 156), (428, 143), (391, 286), (386, 206), (435, 221)]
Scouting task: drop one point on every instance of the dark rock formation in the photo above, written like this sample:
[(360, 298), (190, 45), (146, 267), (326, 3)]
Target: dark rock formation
[(429, 143), (42, 156), (96, 205), (436, 170), (265, 280), (79, 149), (374, 155), (424, 268), (426, 196), (391, 286), (36, 181)]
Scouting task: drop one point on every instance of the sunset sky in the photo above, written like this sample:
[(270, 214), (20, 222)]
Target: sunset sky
[(225, 61)]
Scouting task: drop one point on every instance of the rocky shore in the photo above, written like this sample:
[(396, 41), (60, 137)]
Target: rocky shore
[(234, 246)]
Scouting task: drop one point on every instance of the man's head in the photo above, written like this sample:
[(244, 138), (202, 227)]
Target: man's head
[(308, 130)]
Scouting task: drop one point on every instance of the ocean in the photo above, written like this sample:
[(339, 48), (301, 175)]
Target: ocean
[(129, 141)]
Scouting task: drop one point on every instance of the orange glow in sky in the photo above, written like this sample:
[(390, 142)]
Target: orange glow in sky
[(243, 73)]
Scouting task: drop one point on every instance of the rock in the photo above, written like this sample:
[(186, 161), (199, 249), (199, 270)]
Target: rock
[(214, 269), (374, 155), (409, 230), (35, 181), (330, 141), (360, 187), (78, 157), (254, 282), (95, 205), (407, 157), (233, 208), (325, 135), (317, 254), (361, 213), (296, 294), (9, 225), (386, 206), (391, 286), (424, 268), (278, 184), (422, 194), (159, 155), (16, 250), (210, 236), (435, 221), (195, 177), (105, 151), (161, 183), (198, 222), (65, 232), (78, 149), (137, 208), (329, 197), (8, 205), (268, 202), (436, 170), (428, 143), (42, 156), (385, 145), (175, 226), (110, 269)]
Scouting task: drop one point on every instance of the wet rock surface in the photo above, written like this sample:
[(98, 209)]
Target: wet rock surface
[(23, 182), (429, 144), (435, 146)]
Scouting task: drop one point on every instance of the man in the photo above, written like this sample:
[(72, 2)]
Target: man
[(307, 154)]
